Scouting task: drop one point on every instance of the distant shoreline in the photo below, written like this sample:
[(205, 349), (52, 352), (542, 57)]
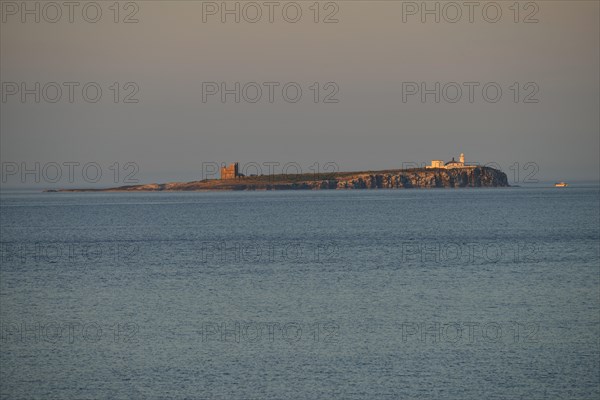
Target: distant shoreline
[(416, 178)]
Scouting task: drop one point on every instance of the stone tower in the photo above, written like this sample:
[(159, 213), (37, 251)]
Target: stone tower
[(462, 158), (230, 172)]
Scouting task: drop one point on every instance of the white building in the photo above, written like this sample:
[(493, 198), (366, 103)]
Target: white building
[(450, 164)]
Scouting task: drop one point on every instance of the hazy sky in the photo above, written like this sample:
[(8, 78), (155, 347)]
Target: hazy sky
[(368, 55)]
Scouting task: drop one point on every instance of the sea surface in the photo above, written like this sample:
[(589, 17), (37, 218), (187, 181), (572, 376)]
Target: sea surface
[(372, 294)]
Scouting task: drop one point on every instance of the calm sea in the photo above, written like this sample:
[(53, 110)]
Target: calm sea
[(406, 294)]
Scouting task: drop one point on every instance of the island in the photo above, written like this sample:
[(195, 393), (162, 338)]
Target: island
[(452, 174)]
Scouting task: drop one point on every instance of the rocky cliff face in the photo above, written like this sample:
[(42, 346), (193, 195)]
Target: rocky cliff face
[(427, 178)]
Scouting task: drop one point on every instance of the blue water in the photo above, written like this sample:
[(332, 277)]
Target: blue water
[(406, 294)]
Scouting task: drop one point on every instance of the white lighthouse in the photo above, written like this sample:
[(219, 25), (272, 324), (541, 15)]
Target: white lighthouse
[(450, 164)]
